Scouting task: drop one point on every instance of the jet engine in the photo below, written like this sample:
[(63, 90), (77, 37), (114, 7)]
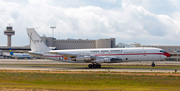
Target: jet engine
[(94, 59), (102, 60), (84, 58)]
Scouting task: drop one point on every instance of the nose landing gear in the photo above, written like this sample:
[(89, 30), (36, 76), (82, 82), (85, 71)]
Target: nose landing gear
[(94, 65), (153, 64)]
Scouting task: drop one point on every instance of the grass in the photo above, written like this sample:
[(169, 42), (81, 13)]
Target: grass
[(87, 81)]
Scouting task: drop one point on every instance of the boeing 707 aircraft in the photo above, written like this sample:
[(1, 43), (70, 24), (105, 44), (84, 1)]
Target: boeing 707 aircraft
[(94, 56)]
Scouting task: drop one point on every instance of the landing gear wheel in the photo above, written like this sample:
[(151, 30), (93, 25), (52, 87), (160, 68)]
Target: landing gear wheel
[(94, 66), (98, 65), (153, 64), (90, 65)]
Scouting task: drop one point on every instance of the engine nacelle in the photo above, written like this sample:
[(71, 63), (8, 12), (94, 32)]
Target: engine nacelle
[(85, 58), (97, 59), (103, 60)]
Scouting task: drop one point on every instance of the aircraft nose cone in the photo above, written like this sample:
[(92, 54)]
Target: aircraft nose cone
[(167, 54)]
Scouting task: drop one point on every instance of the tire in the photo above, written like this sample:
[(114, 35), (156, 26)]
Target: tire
[(99, 66), (153, 65), (90, 65), (94, 66)]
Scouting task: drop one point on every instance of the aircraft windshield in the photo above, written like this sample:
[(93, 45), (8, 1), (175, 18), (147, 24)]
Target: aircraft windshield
[(163, 51)]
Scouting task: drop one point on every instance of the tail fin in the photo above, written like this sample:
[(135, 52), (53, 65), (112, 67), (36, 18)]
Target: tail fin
[(36, 43), (11, 52)]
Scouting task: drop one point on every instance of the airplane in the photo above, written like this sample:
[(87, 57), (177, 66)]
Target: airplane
[(19, 55), (94, 56)]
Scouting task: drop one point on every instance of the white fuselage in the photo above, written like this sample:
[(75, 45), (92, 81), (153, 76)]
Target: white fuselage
[(126, 54), (20, 55)]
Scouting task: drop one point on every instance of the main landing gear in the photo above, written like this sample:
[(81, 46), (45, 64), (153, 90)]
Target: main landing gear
[(94, 65), (153, 64)]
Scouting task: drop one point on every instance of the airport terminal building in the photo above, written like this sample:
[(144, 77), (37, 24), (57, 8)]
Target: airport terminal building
[(62, 44)]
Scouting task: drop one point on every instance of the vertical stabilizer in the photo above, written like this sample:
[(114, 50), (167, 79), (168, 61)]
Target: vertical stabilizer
[(11, 52), (36, 43)]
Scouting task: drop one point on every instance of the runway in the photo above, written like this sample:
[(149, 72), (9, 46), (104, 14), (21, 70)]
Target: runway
[(4, 66), (86, 69)]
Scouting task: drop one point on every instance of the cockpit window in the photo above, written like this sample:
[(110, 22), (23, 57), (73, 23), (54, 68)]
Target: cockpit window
[(163, 51)]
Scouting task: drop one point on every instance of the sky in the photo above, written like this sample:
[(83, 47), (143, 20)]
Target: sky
[(149, 22)]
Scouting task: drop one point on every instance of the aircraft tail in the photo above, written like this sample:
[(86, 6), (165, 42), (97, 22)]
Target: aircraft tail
[(11, 52), (36, 43)]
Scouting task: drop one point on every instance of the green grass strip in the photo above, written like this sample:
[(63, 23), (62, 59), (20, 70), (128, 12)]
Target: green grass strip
[(86, 81)]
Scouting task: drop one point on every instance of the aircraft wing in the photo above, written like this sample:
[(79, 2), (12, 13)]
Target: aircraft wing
[(87, 58), (34, 54), (70, 55)]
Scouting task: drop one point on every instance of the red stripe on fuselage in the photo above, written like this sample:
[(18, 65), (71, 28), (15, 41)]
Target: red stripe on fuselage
[(114, 54), (130, 54)]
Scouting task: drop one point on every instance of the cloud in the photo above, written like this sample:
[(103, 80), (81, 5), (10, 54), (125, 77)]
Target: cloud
[(39, 1), (111, 1), (131, 21)]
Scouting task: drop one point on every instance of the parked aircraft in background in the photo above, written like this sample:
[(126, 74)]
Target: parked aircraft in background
[(94, 56), (18, 55)]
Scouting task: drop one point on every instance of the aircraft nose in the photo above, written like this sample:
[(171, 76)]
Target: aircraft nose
[(167, 54)]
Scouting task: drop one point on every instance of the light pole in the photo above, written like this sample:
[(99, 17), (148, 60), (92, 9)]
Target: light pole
[(53, 27)]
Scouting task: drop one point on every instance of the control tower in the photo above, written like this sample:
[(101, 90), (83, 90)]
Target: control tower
[(9, 31)]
